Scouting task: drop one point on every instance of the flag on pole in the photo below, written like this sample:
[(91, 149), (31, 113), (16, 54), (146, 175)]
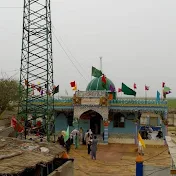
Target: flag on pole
[(168, 92), (74, 88), (163, 84), (135, 86), (103, 79), (146, 87), (67, 135), (96, 73), (55, 90), (119, 90), (127, 91), (166, 89), (158, 96), (141, 140), (13, 122), (73, 84), (112, 88)]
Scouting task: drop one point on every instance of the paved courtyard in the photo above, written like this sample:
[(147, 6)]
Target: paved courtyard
[(116, 159)]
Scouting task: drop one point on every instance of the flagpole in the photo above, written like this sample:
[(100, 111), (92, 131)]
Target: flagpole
[(101, 64), (145, 95)]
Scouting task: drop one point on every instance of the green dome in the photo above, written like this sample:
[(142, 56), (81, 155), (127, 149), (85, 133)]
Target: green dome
[(97, 84)]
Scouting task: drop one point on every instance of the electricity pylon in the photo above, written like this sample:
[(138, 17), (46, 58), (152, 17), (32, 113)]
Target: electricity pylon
[(36, 73)]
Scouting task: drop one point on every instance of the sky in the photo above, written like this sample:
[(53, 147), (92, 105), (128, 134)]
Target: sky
[(135, 38)]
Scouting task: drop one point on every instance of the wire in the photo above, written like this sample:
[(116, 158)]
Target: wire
[(11, 7), (68, 56), (155, 155), (156, 171), (70, 52)]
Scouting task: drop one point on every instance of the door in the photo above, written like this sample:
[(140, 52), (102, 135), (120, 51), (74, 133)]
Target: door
[(95, 124)]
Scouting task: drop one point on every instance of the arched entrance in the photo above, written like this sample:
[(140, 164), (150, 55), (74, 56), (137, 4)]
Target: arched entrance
[(95, 120)]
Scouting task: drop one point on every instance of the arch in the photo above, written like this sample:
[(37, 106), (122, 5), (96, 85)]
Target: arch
[(94, 120), (79, 110)]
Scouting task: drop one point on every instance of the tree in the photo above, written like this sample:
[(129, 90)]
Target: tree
[(8, 92)]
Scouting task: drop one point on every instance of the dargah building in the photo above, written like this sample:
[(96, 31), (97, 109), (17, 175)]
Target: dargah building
[(98, 108)]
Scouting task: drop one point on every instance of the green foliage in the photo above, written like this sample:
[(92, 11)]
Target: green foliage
[(171, 103), (8, 93)]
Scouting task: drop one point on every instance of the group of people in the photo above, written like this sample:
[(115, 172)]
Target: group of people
[(79, 137), (91, 142), (65, 144)]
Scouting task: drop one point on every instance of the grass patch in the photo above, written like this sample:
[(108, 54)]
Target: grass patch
[(171, 103)]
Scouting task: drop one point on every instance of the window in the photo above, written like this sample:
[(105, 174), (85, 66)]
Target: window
[(119, 120)]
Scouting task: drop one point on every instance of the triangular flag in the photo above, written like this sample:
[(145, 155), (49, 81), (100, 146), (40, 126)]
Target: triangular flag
[(96, 73), (166, 89), (157, 96), (103, 78), (127, 91), (146, 87), (119, 90), (67, 135), (56, 90), (163, 84), (112, 88), (141, 140), (73, 84), (134, 86), (74, 88)]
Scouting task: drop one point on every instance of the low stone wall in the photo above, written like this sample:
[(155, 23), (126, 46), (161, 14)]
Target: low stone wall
[(131, 141), (67, 169), (5, 132), (121, 135)]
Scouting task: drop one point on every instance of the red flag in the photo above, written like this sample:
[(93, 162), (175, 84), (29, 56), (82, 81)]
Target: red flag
[(73, 84), (163, 84), (103, 79), (146, 87), (119, 90), (26, 82), (134, 86), (13, 122), (39, 123), (33, 86), (18, 127), (39, 88)]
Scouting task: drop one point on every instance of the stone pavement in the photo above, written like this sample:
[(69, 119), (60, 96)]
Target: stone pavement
[(116, 159)]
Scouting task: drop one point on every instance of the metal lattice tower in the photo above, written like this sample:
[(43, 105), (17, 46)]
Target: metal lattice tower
[(37, 64)]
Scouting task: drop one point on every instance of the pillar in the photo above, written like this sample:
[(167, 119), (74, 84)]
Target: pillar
[(139, 165), (165, 117), (136, 134), (164, 127), (105, 133)]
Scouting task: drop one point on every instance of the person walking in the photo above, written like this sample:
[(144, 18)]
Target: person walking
[(89, 143), (94, 147), (81, 135), (76, 141)]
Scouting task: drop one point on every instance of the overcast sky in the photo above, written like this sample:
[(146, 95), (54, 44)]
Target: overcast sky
[(136, 38)]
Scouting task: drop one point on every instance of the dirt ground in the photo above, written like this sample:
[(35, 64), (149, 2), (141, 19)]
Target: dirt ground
[(116, 159)]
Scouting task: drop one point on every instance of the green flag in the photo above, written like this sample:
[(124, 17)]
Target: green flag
[(127, 91), (96, 73), (166, 89), (66, 137)]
